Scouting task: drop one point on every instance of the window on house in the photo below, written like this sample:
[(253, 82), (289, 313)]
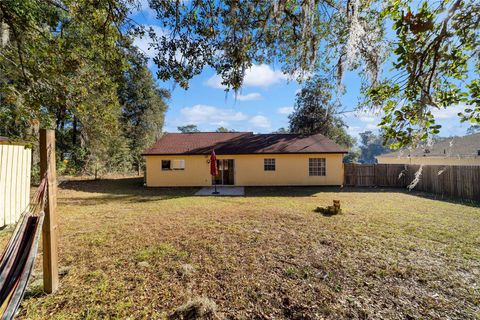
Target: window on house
[(166, 165), (269, 164), (316, 167), (178, 165)]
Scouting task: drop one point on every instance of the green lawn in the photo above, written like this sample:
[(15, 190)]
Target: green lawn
[(127, 251)]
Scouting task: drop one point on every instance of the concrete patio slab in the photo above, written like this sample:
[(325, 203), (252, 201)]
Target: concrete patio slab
[(222, 191)]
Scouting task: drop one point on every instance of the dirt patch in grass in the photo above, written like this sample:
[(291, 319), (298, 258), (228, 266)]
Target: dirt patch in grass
[(155, 253)]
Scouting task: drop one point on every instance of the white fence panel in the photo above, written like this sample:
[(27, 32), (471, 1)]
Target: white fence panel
[(15, 167)]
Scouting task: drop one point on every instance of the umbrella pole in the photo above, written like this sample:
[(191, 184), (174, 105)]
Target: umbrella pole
[(215, 185)]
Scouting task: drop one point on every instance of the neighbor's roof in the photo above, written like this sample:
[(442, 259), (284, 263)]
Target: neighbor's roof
[(241, 143), (466, 146)]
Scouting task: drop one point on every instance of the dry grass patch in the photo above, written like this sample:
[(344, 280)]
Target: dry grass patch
[(133, 252)]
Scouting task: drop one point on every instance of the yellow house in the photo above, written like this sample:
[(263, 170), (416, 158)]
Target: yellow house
[(244, 159), (460, 151)]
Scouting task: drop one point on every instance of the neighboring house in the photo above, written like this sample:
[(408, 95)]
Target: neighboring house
[(451, 151), (244, 159)]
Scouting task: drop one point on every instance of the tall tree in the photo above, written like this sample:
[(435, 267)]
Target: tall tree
[(143, 107), (60, 57), (371, 145), (223, 129), (282, 130), (58, 69), (474, 129), (189, 128), (314, 112), (65, 66)]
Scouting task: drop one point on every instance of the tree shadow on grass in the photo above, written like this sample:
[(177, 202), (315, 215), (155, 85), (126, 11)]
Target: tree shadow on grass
[(132, 189), (312, 191), (123, 189), (440, 197), (307, 191)]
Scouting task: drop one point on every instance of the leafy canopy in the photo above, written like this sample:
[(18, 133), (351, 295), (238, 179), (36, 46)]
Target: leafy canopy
[(433, 49), (371, 146), (315, 112), (69, 65), (436, 66), (143, 106), (59, 47)]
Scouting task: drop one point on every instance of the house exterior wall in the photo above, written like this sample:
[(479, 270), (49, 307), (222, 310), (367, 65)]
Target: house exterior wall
[(291, 169), (452, 161)]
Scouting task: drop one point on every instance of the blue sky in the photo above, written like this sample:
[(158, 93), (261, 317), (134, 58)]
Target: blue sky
[(263, 104)]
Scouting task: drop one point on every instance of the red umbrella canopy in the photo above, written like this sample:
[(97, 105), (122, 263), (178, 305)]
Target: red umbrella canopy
[(213, 164)]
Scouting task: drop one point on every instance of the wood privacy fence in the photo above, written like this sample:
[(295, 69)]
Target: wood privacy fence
[(15, 164), (461, 182)]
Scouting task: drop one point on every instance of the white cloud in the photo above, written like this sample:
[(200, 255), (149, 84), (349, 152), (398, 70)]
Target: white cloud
[(354, 130), (263, 76), (215, 81), (204, 114), (367, 116), (208, 117), (450, 121), (449, 112), (257, 76), (285, 110), (249, 96), (367, 119), (260, 122)]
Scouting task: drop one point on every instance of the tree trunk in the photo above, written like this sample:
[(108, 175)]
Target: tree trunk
[(74, 131)]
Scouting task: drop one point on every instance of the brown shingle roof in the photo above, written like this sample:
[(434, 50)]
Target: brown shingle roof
[(242, 143), (465, 146)]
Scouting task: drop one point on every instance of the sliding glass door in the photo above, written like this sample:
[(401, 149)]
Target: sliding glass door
[(225, 175)]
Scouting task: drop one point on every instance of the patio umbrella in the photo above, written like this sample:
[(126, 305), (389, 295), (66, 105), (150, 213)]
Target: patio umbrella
[(213, 164), (214, 169)]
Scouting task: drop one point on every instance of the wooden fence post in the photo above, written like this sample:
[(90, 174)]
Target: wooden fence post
[(355, 178), (49, 231)]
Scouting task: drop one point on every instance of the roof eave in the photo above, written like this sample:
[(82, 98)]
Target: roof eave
[(241, 153)]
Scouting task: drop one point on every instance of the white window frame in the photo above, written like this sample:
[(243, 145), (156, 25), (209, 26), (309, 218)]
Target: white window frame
[(178, 164), (317, 167)]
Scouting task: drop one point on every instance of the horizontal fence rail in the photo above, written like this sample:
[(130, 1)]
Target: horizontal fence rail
[(462, 182)]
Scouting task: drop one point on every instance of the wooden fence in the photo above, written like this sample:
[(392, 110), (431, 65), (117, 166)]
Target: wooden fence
[(462, 182), (15, 163)]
